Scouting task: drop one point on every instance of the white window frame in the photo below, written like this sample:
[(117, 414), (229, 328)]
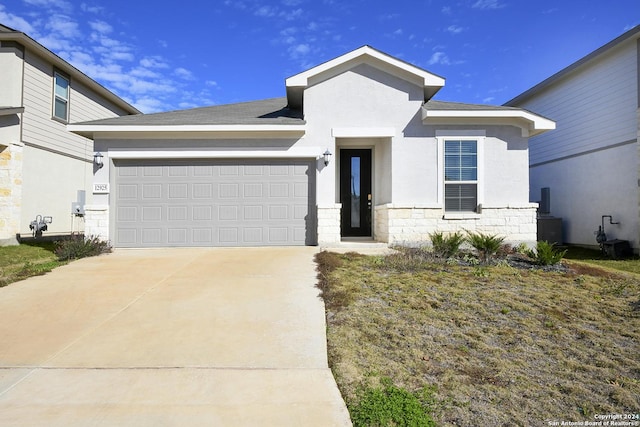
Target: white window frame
[(461, 135), (56, 96)]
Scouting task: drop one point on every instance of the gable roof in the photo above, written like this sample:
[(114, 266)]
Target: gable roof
[(631, 34), (264, 115), (8, 34), (531, 124), (296, 84)]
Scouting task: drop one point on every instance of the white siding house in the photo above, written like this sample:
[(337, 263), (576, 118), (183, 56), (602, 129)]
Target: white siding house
[(357, 149), (42, 165), (590, 162)]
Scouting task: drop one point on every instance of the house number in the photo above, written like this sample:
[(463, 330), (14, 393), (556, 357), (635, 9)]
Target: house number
[(100, 188)]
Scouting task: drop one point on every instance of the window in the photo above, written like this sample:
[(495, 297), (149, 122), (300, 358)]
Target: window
[(460, 175), (60, 97)]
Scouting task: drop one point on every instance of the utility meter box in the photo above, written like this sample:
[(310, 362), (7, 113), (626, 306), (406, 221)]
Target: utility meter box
[(77, 207)]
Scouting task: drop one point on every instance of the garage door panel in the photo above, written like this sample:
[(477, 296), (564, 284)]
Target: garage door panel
[(209, 203), (151, 236)]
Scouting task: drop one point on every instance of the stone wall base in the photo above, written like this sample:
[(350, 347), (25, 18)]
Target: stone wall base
[(10, 191), (411, 225), (329, 224), (96, 221)]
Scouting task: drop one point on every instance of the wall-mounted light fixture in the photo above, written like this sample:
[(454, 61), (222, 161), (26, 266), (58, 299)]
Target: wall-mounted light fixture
[(327, 157), (97, 159)]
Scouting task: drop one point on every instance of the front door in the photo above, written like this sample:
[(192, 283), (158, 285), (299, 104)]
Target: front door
[(355, 192)]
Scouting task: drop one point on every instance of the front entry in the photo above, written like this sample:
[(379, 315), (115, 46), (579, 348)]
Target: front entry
[(355, 192)]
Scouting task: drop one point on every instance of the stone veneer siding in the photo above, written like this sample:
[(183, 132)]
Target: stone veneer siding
[(396, 225), (10, 192), (96, 221), (329, 224)]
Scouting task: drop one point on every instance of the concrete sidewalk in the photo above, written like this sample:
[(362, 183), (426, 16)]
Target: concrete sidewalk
[(215, 337)]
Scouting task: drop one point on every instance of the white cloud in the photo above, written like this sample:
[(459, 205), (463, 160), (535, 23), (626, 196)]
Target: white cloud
[(299, 50), (149, 105), (488, 100), (265, 11), (292, 15), (446, 10), (439, 58), (51, 4), (211, 83), (291, 2), (455, 29), (16, 22), (91, 9), (487, 4), (63, 26), (101, 27), (153, 62), (183, 73)]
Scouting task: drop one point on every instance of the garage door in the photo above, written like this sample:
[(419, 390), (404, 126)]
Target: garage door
[(214, 203)]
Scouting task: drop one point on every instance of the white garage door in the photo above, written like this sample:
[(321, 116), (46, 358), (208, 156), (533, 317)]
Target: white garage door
[(214, 203)]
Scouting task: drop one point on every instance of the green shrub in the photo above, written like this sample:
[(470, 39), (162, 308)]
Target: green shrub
[(446, 246), (487, 245), (389, 405), (546, 253), (80, 247)]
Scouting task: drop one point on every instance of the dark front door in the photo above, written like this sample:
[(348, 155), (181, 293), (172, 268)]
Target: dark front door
[(355, 192)]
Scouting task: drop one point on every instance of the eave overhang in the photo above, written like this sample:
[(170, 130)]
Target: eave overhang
[(189, 131), (529, 123), (7, 111)]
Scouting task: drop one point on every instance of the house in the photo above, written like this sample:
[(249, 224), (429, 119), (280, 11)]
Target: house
[(357, 149), (590, 164), (43, 167)]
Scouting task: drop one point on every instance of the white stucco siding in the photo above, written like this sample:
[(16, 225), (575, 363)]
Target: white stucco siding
[(505, 169), (594, 106), (584, 188), (415, 172), (39, 129), (361, 97), (49, 186)]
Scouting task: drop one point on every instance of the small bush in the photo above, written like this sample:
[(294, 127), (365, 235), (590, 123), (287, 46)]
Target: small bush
[(446, 246), (80, 247), (546, 253), (487, 245), (389, 405)]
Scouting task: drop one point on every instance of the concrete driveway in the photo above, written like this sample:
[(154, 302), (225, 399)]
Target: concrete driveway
[(169, 337)]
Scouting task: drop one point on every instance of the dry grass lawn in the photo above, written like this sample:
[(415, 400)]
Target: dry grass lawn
[(503, 346)]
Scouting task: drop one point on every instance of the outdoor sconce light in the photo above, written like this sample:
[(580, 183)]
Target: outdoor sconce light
[(97, 159), (327, 157)]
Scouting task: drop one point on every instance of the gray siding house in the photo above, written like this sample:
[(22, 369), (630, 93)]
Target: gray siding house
[(590, 163), (42, 165), (358, 149)]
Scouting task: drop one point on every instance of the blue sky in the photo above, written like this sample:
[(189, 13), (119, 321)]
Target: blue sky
[(164, 55)]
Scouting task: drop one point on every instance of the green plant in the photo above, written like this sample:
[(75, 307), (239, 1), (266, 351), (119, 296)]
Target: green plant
[(446, 246), (80, 247), (487, 245), (389, 405), (546, 253)]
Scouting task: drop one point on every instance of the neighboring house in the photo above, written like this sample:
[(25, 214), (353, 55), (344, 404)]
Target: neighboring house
[(591, 162), (357, 149), (42, 165)]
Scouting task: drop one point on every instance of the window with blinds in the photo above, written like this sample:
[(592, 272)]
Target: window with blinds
[(460, 175)]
